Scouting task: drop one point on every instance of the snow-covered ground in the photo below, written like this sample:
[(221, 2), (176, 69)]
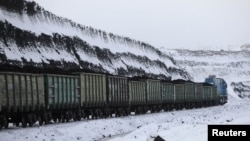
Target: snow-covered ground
[(188, 125)]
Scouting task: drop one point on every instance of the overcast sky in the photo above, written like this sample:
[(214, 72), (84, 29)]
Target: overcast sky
[(193, 24)]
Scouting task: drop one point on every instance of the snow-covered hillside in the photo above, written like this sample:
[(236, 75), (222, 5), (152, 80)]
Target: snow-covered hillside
[(31, 36), (233, 66)]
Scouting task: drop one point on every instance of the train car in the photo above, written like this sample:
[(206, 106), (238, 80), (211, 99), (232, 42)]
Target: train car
[(185, 93), (207, 91), (221, 87), (21, 98), (62, 97), (93, 94), (117, 95), (214, 95), (199, 95), (179, 93), (168, 96), (189, 94), (210, 94), (137, 96), (153, 94)]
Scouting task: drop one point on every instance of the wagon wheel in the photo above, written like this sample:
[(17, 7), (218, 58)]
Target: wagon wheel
[(152, 110), (117, 113), (86, 115), (24, 123), (74, 116), (34, 119), (55, 119), (81, 115), (5, 123), (128, 112), (140, 110), (96, 114), (62, 119), (91, 113), (106, 114), (67, 117), (1, 123), (30, 121), (40, 120), (101, 114), (124, 112), (45, 117), (17, 123), (120, 112)]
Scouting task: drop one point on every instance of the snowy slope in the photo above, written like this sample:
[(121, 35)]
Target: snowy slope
[(233, 66), (32, 35)]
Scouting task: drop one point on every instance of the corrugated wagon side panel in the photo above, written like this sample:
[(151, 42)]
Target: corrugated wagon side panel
[(179, 93), (207, 93), (137, 93), (93, 89), (153, 91), (214, 92), (37, 92), (142, 92), (118, 91), (75, 92), (103, 90), (28, 93), (83, 90), (198, 92), (17, 93), (34, 92), (41, 93), (51, 93), (189, 92), (3, 93), (66, 94), (131, 93), (90, 90), (62, 91), (22, 92), (125, 96), (10, 92), (167, 91)]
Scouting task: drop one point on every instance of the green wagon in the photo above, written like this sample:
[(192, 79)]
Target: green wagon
[(62, 92)]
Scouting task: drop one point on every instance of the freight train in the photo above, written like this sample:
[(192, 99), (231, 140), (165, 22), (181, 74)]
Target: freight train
[(27, 98)]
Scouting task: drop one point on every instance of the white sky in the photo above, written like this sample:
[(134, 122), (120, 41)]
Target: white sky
[(193, 24)]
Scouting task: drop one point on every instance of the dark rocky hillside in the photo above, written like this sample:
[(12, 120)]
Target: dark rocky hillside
[(26, 45)]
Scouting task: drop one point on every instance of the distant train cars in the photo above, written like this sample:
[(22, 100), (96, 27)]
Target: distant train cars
[(27, 98)]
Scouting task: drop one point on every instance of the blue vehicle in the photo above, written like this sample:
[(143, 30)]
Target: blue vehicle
[(221, 87)]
